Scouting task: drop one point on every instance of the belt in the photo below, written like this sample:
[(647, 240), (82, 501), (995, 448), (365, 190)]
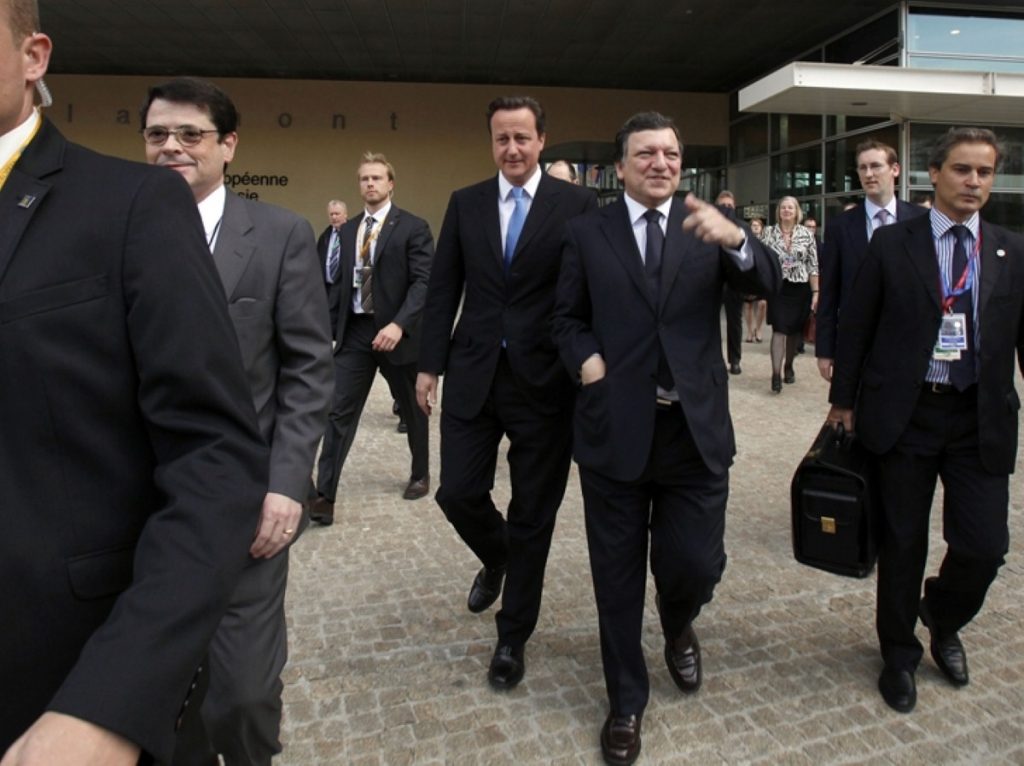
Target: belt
[(666, 404), (944, 388)]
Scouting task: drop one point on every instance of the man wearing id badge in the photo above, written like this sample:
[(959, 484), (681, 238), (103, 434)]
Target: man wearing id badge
[(930, 378)]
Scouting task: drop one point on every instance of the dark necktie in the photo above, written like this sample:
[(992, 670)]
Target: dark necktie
[(652, 266), (962, 373), (334, 257), (366, 267)]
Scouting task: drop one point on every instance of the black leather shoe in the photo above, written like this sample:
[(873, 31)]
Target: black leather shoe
[(620, 739), (682, 655), (777, 384), (790, 377), (947, 651), (402, 427), (321, 511), (486, 589), (416, 488), (395, 409), (734, 368), (507, 667), (898, 689)]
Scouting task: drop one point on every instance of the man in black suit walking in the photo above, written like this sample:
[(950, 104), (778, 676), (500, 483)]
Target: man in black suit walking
[(846, 241), (385, 265), (637, 323), (499, 253), (328, 249), (931, 374)]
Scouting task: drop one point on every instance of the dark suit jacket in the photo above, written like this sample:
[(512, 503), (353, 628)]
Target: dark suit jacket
[(846, 243), (890, 323), (130, 460), (401, 271), (516, 307), (323, 242), (266, 261), (605, 307)]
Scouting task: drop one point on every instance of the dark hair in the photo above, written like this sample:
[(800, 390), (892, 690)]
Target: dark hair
[(643, 121), (954, 136), (23, 17), (201, 93), (867, 146), (509, 103)]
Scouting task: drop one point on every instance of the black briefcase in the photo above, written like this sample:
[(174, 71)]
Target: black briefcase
[(833, 506)]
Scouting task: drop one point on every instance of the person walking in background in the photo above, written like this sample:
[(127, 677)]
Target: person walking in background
[(755, 307)]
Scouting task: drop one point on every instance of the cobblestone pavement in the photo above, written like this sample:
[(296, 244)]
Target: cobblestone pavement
[(388, 667)]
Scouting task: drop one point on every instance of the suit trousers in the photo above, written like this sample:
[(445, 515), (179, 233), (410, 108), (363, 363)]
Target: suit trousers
[(733, 303), (540, 443), (679, 506), (241, 714), (941, 441), (355, 365)]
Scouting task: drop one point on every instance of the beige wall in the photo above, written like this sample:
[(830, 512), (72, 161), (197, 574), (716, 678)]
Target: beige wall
[(437, 140)]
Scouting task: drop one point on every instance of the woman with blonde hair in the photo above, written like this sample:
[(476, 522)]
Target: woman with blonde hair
[(789, 310)]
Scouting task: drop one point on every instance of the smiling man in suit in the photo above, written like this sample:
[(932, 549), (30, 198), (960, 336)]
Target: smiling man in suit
[(931, 375), (385, 265), (130, 460), (266, 258), (498, 254), (846, 241), (637, 323)]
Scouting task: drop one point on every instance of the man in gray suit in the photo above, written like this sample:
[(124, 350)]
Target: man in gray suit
[(267, 261)]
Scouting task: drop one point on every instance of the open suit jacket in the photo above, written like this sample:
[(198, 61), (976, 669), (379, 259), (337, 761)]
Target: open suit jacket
[(323, 243), (606, 307), (515, 308), (265, 256), (401, 271), (846, 243), (891, 321), (131, 464)]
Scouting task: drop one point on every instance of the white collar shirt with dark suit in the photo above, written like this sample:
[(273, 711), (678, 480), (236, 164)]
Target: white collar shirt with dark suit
[(130, 458)]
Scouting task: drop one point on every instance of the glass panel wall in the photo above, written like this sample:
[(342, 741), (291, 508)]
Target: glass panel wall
[(965, 40)]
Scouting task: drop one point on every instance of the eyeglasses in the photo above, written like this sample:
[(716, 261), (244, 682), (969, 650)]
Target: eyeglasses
[(874, 167), (186, 135)]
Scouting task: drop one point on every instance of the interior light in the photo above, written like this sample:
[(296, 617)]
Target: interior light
[(954, 31)]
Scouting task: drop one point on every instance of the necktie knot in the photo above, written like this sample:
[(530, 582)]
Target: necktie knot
[(517, 193), (882, 216), (653, 216), (960, 232)]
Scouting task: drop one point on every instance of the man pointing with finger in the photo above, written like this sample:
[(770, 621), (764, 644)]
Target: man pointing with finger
[(637, 323)]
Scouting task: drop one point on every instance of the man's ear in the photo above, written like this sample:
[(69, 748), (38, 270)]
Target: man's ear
[(36, 49)]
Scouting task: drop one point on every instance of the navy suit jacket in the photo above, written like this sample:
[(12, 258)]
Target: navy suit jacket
[(846, 242), (323, 242)]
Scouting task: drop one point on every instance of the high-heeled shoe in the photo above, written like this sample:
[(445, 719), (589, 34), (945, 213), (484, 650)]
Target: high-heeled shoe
[(777, 384)]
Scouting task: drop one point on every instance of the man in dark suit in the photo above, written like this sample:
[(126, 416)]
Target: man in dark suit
[(328, 249), (637, 323), (931, 375), (847, 237), (498, 253), (130, 460), (385, 266), (266, 258)]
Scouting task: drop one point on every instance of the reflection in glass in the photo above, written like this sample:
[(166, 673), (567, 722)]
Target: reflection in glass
[(797, 173), (841, 158)]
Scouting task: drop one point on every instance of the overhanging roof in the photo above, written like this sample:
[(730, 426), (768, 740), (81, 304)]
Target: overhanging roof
[(880, 91)]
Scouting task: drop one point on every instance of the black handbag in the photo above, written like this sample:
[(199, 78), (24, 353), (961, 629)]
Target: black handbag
[(834, 507)]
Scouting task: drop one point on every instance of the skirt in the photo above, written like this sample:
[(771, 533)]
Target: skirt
[(789, 309)]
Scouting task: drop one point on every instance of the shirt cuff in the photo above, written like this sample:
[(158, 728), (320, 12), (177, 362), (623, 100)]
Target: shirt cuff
[(744, 255)]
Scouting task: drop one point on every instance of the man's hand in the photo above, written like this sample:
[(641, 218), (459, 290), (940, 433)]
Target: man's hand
[(838, 415), (278, 522), (387, 337), (825, 369), (592, 370), (56, 739), (708, 224), (426, 391)]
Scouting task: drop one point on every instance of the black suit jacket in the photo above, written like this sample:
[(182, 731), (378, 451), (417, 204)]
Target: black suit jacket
[(323, 242), (891, 321), (401, 271), (606, 307), (131, 464), (515, 308), (839, 260)]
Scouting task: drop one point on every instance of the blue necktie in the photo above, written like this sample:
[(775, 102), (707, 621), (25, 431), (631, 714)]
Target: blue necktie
[(515, 224), (334, 257), (961, 372)]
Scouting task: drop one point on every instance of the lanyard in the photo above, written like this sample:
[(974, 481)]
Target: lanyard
[(966, 281)]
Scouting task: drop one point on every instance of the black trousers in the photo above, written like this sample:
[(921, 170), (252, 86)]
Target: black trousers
[(355, 365), (540, 442), (941, 441), (679, 506), (733, 303)]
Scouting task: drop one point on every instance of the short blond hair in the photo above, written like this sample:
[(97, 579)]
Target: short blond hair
[(378, 159)]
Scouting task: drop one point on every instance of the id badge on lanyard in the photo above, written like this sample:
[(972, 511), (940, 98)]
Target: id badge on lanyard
[(953, 340)]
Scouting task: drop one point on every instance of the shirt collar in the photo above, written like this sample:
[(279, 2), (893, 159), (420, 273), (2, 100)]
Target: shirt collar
[(941, 223), (211, 210), (871, 208), (13, 140), (380, 215), (505, 188), (637, 210)]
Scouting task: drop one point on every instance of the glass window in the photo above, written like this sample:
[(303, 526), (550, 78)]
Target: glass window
[(1005, 209), (924, 135), (794, 129), (836, 124), (872, 43), (841, 158), (748, 138), (966, 41), (797, 173)]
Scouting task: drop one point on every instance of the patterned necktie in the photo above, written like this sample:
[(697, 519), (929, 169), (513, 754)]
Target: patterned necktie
[(961, 372), (652, 266), (334, 257), (366, 267), (882, 218), (515, 224)]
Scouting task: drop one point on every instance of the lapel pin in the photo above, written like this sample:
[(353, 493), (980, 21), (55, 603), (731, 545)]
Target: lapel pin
[(1001, 253), (26, 201)]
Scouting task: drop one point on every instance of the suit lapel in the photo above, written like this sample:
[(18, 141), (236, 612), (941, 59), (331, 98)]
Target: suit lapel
[(385, 232), (489, 216), (921, 250), (677, 247), (540, 209), (860, 232), (618, 230), (235, 244), (993, 266)]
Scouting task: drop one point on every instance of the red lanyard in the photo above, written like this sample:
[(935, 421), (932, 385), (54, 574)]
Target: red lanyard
[(966, 281)]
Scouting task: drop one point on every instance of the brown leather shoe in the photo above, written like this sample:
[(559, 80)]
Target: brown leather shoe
[(417, 488), (321, 511), (682, 655), (620, 739)]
